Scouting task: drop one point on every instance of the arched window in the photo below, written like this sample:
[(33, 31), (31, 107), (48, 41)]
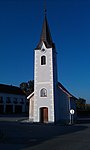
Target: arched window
[(43, 92), (43, 60)]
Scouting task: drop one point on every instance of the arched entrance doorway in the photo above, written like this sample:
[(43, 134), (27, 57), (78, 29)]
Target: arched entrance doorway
[(44, 114)]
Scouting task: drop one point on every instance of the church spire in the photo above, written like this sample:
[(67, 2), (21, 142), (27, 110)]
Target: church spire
[(45, 34)]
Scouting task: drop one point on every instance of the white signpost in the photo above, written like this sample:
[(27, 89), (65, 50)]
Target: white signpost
[(72, 111)]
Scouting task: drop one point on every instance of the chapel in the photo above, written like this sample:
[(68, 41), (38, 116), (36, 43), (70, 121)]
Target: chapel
[(50, 102)]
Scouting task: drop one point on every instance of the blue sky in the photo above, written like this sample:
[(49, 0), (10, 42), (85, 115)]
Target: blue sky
[(20, 28)]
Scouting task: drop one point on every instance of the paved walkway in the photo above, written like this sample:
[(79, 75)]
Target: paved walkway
[(15, 134), (13, 117)]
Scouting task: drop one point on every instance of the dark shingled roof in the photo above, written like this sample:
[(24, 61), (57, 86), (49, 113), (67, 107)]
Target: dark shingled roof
[(9, 89), (45, 36)]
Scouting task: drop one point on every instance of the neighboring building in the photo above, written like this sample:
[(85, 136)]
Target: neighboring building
[(12, 99), (50, 101)]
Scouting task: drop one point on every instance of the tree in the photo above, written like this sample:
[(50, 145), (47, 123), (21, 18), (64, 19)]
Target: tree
[(27, 87), (80, 103), (30, 86), (87, 107), (24, 86)]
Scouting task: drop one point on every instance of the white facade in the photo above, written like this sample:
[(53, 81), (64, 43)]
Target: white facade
[(44, 78), (62, 106)]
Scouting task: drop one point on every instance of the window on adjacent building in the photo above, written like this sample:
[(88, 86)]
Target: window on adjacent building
[(43, 92), (43, 60), (22, 101), (15, 100), (8, 100), (1, 99)]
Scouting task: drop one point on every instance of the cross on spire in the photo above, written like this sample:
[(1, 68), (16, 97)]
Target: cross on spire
[(45, 10)]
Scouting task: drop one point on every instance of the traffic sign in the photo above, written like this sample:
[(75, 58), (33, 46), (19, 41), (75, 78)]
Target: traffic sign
[(72, 111)]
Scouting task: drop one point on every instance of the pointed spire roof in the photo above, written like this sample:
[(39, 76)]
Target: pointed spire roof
[(45, 36)]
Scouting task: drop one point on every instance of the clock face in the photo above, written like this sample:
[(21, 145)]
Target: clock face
[(43, 50)]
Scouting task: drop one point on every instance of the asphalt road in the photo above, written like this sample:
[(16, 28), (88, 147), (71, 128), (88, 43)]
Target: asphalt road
[(17, 135)]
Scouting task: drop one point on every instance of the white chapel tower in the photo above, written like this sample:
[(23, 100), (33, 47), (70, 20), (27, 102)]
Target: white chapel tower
[(45, 77), (50, 101)]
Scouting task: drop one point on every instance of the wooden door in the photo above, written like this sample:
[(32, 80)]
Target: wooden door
[(44, 114)]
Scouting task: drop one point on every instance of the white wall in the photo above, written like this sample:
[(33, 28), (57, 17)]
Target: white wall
[(31, 108), (43, 78)]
